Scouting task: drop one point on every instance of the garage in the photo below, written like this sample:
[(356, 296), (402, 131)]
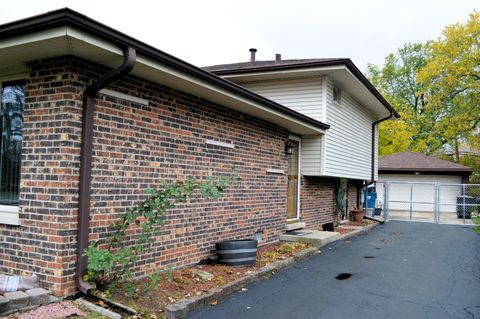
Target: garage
[(419, 185)]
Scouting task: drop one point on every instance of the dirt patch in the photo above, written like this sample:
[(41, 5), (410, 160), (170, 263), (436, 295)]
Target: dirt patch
[(352, 226), (185, 283)]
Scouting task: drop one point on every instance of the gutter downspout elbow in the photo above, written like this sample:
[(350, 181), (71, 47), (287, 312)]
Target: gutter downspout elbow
[(373, 143), (130, 57)]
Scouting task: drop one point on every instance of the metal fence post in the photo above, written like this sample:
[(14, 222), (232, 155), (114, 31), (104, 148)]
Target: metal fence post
[(385, 200), (463, 196), (437, 203), (411, 200)]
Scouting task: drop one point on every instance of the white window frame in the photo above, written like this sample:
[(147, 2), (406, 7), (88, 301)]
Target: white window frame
[(299, 140)]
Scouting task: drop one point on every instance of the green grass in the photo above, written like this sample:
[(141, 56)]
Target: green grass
[(476, 220)]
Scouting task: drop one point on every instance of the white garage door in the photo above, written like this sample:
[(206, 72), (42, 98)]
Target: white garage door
[(421, 194)]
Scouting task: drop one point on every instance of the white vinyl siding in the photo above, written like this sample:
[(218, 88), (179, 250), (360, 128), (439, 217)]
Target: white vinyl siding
[(301, 95), (349, 139), (311, 155)]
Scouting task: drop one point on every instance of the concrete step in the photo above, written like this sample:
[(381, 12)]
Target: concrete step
[(313, 237)]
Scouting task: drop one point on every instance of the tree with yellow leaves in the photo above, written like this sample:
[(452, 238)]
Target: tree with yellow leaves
[(452, 81), (436, 89)]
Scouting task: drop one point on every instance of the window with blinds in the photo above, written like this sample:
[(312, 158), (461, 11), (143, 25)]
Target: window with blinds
[(11, 127)]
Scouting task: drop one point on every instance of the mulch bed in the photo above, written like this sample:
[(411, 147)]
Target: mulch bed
[(184, 283), (352, 226)]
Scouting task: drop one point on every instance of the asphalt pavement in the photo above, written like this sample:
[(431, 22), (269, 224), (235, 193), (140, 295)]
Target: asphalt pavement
[(398, 270)]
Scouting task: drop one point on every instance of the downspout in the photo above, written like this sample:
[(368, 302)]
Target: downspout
[(373, 144), (89, 94), (366, 183)]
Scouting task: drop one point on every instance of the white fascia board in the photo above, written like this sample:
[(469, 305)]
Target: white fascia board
[(85, 37), (368, 92), (33, 37), (163, 68), (153, 64), (291, 72), (69, 32)]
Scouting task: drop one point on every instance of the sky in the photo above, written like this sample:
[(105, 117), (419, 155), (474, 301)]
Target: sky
[(208, 32)]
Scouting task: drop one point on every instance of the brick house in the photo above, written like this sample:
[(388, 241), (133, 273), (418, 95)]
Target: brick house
[(80, 144)]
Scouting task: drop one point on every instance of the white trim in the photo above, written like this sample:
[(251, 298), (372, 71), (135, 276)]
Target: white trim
[(125, 97), (12, 77), (33, 37), (299, 140), (174, 78), (148, 62), (218, 143), (286, 72), (9, 215), (85, 37), (275, 171)]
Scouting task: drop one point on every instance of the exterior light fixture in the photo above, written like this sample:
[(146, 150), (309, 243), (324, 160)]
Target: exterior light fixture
[(288, 148)]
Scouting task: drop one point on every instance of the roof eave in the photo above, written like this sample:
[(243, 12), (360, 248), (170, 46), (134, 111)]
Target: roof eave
[(440, 171), (333, 62), (68, 17)]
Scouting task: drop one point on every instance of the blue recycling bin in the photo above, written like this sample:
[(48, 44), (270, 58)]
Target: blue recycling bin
[(371, 199)]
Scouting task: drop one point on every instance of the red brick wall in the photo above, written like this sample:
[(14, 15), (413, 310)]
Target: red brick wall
[(49, 179), (135, 147), (317, 200), (352, 193)]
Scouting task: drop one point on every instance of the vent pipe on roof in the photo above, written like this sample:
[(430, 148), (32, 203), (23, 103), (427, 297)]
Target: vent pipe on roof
[(278, 58), (252, 54)]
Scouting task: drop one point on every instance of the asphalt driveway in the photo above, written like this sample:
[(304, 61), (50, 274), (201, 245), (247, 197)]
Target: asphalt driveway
[(399, 270)]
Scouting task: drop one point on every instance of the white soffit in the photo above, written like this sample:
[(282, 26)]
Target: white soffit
[(15, 53)]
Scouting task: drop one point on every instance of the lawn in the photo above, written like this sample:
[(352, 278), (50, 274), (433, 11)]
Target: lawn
[(476, 220)]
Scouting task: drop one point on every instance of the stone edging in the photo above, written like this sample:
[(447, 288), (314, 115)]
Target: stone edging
[(15, 301), (180, 309)]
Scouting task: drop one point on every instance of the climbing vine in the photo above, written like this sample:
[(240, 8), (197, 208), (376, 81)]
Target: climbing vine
[(111, 264)]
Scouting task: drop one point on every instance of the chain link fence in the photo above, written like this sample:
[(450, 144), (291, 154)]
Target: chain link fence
[(429, 202)]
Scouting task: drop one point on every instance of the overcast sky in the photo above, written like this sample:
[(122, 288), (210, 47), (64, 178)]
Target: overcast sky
[(207, 32)]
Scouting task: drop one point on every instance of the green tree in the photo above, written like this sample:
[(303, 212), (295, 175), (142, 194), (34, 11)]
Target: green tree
[(397, 81), (451, 79), (436, 89)]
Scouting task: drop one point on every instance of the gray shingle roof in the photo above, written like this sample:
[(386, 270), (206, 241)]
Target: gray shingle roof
[(417, 162), (261, 64)]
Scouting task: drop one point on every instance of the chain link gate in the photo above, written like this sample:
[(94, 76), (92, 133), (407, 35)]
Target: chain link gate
[(429, 202)]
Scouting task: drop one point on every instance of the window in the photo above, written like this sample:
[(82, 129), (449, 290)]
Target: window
[(337, 94), (11, 137)]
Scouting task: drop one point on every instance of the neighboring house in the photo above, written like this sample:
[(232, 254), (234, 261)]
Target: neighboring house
[(80, 144), (423, 171)]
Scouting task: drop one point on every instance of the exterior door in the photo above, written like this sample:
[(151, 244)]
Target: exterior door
[(293, 189)]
